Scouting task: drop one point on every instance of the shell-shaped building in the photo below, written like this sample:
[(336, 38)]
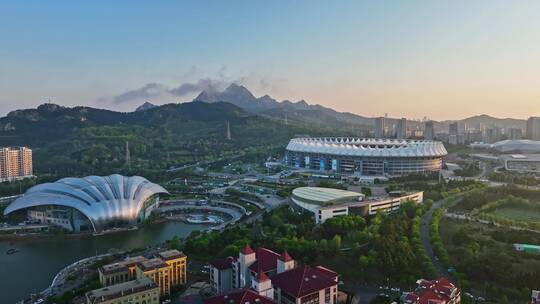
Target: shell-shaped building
[(90, 203), (365, 156)]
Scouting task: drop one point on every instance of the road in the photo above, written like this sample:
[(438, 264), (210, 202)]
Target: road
[(425, 238)]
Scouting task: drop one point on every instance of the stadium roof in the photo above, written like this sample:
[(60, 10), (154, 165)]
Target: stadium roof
[(372, 147), (101, 199), (522, 145), (324, 196)]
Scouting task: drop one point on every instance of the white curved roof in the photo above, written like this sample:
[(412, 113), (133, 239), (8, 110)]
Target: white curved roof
[(322, 195), (368, 147), (100, 198), (523, 145)]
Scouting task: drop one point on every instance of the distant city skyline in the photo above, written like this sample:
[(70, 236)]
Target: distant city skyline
[(442, 60)]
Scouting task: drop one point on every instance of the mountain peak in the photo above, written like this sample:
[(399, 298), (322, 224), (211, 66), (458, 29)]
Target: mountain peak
[(238, 91), (145, 106), (233, 93), (49, 107)]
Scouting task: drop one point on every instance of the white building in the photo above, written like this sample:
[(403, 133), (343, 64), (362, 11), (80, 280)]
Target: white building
[(326, 203)]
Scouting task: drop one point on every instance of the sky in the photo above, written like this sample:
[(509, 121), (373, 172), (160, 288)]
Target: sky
[(414, 59)]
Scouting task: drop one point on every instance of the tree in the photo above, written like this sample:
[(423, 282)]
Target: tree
[(335, 243), (175, 243)]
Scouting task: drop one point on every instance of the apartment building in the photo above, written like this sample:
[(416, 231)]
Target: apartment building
[(143, 291), (167, 269), (15, 163)]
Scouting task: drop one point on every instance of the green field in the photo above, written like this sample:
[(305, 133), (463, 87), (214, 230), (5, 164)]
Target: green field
[(517, 214), (490, 265)]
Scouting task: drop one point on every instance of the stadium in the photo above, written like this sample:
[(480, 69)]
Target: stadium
[(92, 203), (365, 156)]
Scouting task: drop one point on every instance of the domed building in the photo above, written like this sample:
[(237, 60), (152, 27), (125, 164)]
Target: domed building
[(92, 203)]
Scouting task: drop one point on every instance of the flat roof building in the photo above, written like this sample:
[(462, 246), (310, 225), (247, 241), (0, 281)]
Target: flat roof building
[(141, 290), (326, 203), (523, 163), (168, 269), (527, 248)]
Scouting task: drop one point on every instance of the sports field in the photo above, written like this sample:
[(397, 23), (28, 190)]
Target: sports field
[(517, 214)]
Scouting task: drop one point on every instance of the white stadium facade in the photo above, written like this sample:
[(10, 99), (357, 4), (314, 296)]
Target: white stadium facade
[(92, 203), (365, 156)]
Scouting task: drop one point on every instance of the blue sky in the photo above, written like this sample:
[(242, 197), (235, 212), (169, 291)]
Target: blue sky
[(441, 59)]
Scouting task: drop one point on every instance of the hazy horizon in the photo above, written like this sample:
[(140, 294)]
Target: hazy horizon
[(443, 60)]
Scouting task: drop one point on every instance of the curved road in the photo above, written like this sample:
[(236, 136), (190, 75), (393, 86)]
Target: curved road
[(425, 238)]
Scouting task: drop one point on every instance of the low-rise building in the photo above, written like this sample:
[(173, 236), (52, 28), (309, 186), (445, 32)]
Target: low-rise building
[(167, 270), (440, 291), (522, 163), (143, 291), (326, 203), (527, 248)]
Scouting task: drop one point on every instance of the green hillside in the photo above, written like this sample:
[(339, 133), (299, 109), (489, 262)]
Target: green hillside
[(83, 140)]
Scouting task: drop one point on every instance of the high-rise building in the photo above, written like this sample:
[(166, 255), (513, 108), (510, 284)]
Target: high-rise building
[(429, 130), (379, 127), (401, 128), (533, 128), (515, 133), (492, 135), (15, 163), (453, 134), (453, 129)]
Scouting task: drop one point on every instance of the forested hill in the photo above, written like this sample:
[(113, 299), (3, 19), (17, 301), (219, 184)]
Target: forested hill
[(84, 140), (51, 122)]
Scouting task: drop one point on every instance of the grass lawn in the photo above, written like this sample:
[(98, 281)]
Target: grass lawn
[(517, 214)]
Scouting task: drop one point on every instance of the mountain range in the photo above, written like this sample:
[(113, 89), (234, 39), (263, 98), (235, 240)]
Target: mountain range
[(49, 121), (299, 111), (303, 112)]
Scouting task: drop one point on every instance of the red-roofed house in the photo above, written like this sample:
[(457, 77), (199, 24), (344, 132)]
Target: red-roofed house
[(274, 276), (440, 291), (305, 285), (240, 296)]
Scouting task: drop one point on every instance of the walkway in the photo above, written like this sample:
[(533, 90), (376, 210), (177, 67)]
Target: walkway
[(426, 240)]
